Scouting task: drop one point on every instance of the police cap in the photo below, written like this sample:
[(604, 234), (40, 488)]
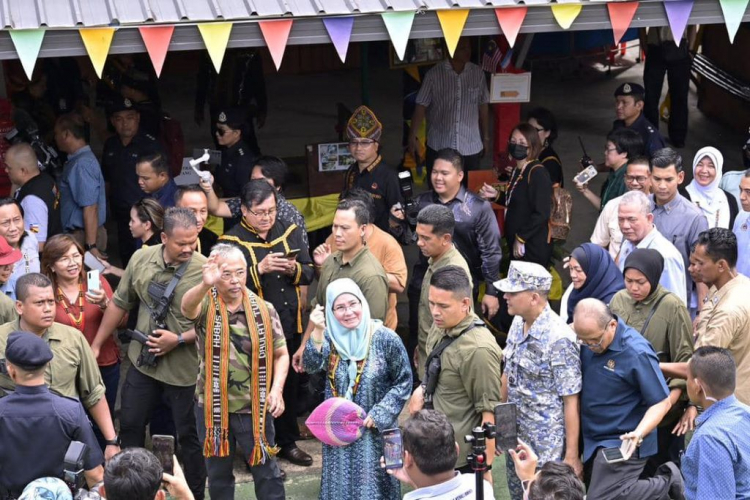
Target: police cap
[(121, 104), (233, 118), (27, 350), (632, 89)]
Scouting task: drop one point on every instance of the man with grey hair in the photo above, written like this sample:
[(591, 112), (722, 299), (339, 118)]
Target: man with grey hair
[(624, 397), (742, 227), (637, 226), (154, 274), (241, 342)]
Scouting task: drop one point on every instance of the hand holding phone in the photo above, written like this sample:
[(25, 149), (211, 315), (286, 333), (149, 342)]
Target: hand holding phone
[(506, 422), (292, 254), (163, 448), (585, 175), (393, 450), (92, 280)]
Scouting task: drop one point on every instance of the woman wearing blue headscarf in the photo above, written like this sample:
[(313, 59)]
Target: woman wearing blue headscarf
[(594, 275), (366, 363)]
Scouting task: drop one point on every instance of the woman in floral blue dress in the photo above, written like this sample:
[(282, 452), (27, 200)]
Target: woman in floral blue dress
[(366, 363)]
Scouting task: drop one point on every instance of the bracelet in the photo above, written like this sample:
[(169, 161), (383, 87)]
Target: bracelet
[(104, 305), (316, 342)]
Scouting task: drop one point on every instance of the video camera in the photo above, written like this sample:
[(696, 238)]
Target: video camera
[(47, 157), (406, 186), (73, 471)]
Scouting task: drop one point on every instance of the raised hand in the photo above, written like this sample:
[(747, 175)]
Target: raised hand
[(212, 271), (321, 254)]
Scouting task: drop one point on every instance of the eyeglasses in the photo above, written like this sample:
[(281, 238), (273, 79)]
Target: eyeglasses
[(353, 307), (263, 215), (638, 179), (361, 143), (222, 131), (539, 129), (591, 345), (240, 275), (609, 150), (75, 259)]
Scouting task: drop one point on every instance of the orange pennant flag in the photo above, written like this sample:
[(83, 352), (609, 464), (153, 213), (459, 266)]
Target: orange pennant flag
[(97, 42), (452, 22), (276, 34), (621, 15), (510, 21), (156, 39)]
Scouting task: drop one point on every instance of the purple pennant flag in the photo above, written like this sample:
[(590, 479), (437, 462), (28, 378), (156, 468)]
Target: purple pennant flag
[(340, 31), (678, 13)]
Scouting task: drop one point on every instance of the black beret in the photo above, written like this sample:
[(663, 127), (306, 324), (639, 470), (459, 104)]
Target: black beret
[(630, 89), (121, 104), (233, 118), (27, 350)]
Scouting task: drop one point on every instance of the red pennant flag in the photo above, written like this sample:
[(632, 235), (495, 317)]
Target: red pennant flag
[(510, 21), (621, 15), (276, 34), (156, 39)]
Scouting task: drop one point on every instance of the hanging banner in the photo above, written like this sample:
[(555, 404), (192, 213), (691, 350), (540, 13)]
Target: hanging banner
[(27, 43), (398, 25), (452, 22), (156, 39), (510, 21), (621, 15), (565, 14), (678, 13), (216, 37), (276, 34), (340, 31), (734, 11), (97, 42)]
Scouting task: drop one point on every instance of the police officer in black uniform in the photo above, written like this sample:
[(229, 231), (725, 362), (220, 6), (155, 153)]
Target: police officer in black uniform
[(237, 161), (37, 426), (121, 152), (629, 102)]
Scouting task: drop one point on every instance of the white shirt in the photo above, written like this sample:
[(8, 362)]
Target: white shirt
[(742, 231), (461, 487), (673, 276), (607, 230)]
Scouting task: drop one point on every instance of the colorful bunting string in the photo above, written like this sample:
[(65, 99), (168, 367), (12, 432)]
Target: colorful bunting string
[(678, 13), (510, 21), (621, 15), (97, 42), (452, 22), (156, 39), (276, 34), (734, 11), (27, 43), (340, 31), (565, 14), (398, 25), (216, 37)]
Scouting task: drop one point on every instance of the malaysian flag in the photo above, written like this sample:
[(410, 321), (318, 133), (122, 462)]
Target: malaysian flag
[(491, 57)]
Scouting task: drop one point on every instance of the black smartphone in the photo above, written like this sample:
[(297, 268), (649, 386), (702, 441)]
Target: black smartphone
[(163, 448), (393, 450), (291, 253), (613, 455), (506, 423)]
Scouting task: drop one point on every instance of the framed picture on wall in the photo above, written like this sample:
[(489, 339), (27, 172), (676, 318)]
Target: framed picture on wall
[(420, 52), (334, 156), (510, 87)]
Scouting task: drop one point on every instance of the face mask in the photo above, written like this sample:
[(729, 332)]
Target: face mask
[(518, 151)]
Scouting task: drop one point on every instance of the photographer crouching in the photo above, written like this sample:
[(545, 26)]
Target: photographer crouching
[(37, 426)]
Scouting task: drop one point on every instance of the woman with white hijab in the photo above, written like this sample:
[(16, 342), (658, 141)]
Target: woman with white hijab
[(719, 207)]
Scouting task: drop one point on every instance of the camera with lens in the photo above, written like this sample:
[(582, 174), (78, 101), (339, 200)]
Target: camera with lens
[(406, 186), (47, 157)]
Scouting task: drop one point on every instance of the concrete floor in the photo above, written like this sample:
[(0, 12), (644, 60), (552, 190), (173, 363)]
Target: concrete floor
[(302, 111)]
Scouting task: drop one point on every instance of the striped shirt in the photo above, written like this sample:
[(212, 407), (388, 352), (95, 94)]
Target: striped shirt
[(452, 101)]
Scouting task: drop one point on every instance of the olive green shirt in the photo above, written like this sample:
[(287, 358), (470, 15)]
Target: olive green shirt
[(469, 382), (73, 371), (180, 366), (450, 258), (7, 309), (670, 332), (366, 271)]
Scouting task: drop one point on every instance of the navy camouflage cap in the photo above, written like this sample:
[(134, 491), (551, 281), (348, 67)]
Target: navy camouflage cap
[(523, 276)]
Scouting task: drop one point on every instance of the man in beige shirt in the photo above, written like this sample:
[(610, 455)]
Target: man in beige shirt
[(724, 319), (435, 225)]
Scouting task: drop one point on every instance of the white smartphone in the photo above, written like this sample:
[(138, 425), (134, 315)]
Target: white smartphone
[(93, 280), (586, 175), (92, 262)]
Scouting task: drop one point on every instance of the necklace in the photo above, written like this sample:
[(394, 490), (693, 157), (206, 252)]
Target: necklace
[(79, 321), (333, 363), (514, 183)]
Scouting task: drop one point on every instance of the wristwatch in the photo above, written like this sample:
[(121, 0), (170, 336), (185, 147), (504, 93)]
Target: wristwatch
[(88, 247), (180, 340), (113, 442)]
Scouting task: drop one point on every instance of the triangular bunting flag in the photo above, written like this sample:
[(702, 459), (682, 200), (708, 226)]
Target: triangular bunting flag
[(216, 37), (510, 21), (276, 34), (678, 13), (566, 13), (734, 11), (156, 39), (27, 43), (97, 42), (621, 15), (452, 22), (398, 25), (340, 30)]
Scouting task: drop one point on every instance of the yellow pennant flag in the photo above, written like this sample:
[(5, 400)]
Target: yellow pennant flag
[(216, 38), (566, 13), (452, 22), (97, 42)]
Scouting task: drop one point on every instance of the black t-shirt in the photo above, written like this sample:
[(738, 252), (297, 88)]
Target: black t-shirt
[(381, 181)]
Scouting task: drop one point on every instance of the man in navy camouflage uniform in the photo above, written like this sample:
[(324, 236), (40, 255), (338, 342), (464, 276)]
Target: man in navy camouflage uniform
[(542, 375)]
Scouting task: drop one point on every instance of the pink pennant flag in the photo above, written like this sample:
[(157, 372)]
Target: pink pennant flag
[(678, 13), (340, 31), (156, 39), (621, 15), (276, 34), (510, 21)]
